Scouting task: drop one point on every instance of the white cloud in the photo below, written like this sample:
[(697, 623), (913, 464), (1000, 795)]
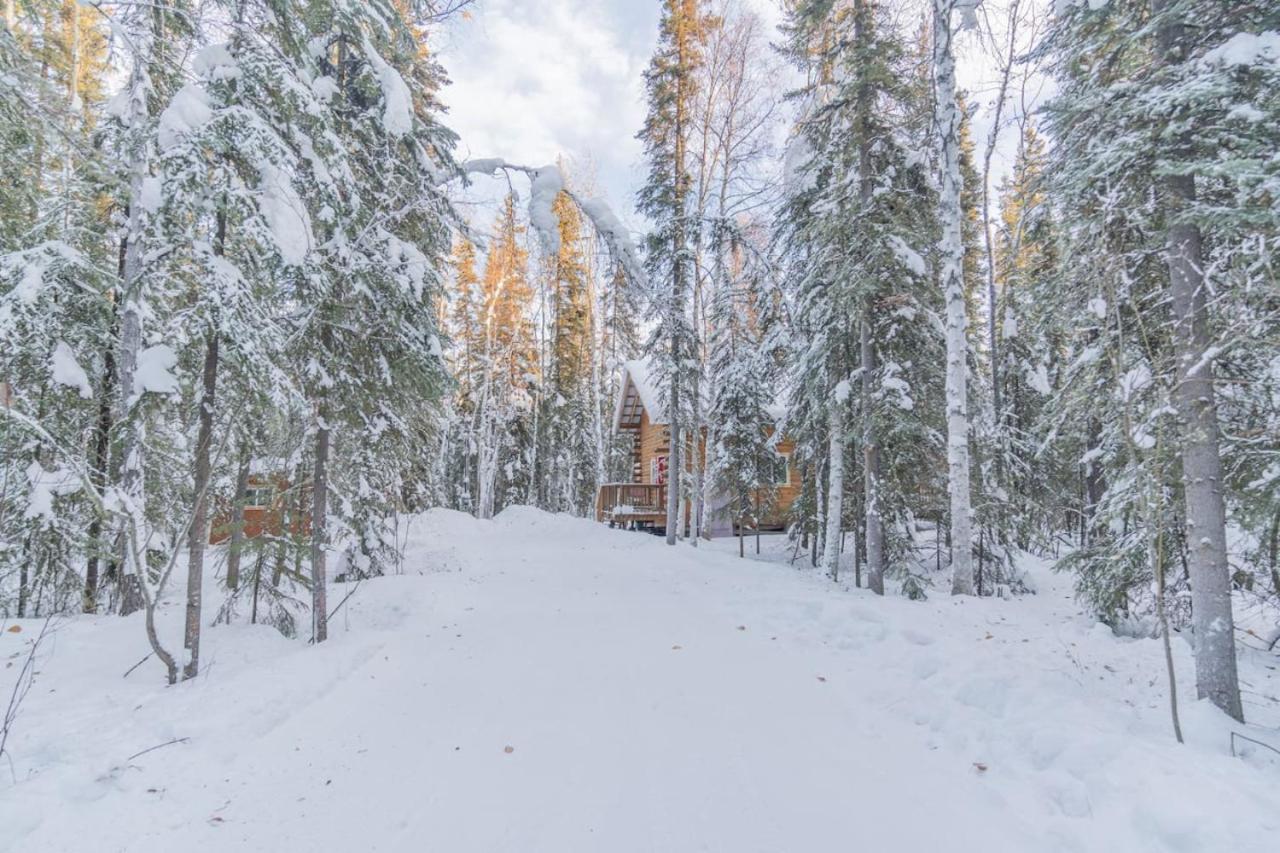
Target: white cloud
[(533, 81)]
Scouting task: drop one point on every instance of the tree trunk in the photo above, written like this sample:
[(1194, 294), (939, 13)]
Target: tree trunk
[(153, 637), (236, 546), (873, 527), (673, 465), (699, 484), (757, 522), (319, 532), (993, 337), (820, 510), (132, 550), (952, 255), (1202, 468), (675, 317), (742, 533), (91, 579), (1095, 484), (101, 459), (1197, 410), (198, 535), (682, 514), (874, 536), (835, 481), (1275, 554), (107, 406)]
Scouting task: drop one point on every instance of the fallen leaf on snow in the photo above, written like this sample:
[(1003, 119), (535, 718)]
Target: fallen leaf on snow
[(15, 629), (508, 749), (980, 767)]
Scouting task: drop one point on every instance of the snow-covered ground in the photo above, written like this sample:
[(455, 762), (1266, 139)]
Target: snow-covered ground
[(540, 683)]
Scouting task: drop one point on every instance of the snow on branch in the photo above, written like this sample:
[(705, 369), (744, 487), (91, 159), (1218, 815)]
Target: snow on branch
[(65, 370), (547, 182), (397, 103), (907, 256), (483, 166), (615, 235)]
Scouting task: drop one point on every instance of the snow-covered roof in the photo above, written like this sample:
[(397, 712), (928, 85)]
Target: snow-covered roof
[(640, 393)]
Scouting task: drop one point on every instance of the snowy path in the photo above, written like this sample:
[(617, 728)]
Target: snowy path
[(654, 699)]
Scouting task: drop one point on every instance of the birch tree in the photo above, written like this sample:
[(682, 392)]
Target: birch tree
[(951, 260)]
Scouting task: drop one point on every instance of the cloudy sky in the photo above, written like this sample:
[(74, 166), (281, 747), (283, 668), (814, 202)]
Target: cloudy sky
[(538, 79)]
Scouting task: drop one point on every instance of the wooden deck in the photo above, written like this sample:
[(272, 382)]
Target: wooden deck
[(635, 505)]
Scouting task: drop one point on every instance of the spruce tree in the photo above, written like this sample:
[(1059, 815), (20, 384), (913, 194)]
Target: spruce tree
[(665, 199)]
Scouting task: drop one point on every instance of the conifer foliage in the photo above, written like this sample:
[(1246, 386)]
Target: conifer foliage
[(247, 258)]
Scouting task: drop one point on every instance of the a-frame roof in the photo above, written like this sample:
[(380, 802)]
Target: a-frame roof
[(639, 395)]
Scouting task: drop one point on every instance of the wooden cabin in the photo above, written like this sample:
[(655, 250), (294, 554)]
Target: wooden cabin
[(270, 508), (641, 502)]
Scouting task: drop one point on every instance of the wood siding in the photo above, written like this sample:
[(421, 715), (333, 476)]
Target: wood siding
[(653, 440)]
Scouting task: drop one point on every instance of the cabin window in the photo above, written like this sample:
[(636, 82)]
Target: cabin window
[(258, 496), (780, 469)]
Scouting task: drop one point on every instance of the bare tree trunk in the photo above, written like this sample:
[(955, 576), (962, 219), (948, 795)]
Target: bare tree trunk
[(873, 526), (101, 459), (952, 254), (1202, 468), (673, 464), (1197, 410), (257, 585), (236, 546), (757, 521), (108, 404), (835, 480), (820, 511), (1095, 484), (993, 340), (1162, 614), (874, 536), (132, 598), (99, 472), (170, 665), (1275, 554), (682, 509), (198, 535), (698, 460), (319, 530)]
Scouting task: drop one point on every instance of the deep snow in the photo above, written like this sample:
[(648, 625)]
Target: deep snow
[(652, 699)]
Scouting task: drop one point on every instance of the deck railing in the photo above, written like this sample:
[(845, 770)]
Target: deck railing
[(616, 500)]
